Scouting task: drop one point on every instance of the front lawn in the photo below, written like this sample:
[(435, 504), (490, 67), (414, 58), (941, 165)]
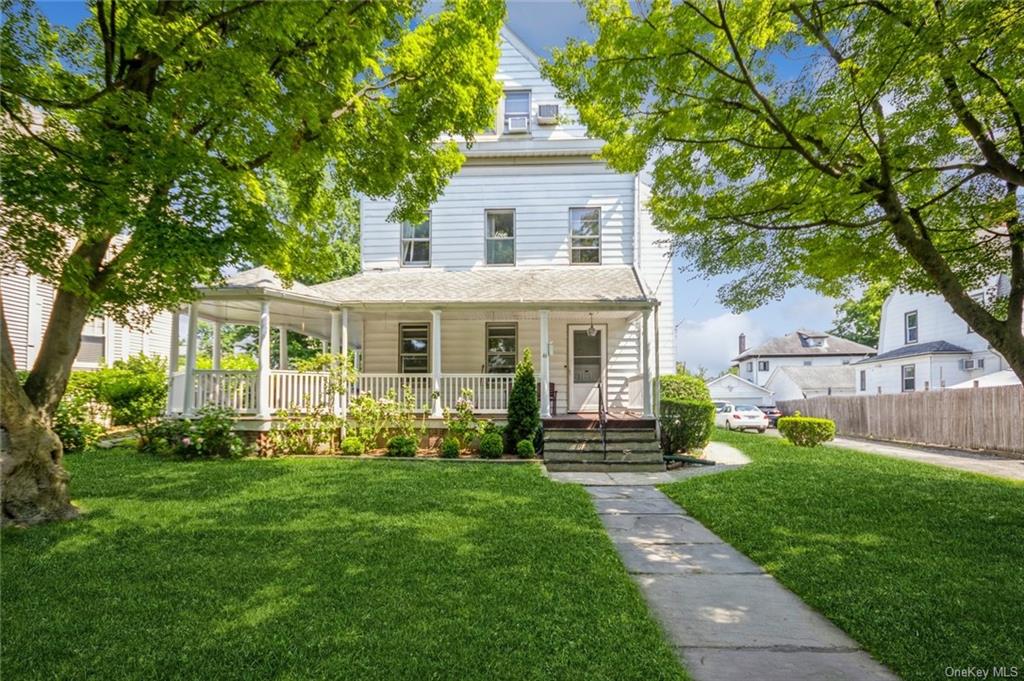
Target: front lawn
[(322, 569), (924, 566)]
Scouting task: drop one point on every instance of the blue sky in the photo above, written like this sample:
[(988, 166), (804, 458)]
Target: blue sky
[(706, 333)]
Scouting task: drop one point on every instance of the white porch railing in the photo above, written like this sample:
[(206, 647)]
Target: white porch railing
[(234, 390), (378, 385), (300, 390), (490, 391)]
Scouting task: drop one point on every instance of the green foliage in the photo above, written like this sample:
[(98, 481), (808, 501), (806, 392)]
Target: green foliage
[(525, 450), (858, 319), (685, 424), (462, 424), (352, 446), (805, 431), (523, 406), (895, 156), (366, 420), (135, 389), (228, 362), (684, 387), (209, 436), (304, 431), (402, 445), (492, 446), (79, 418), (450, 448)]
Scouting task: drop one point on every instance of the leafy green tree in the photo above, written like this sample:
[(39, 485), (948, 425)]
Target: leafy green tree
[(896, 155), (858, 319), (208, 135), (523, 404)]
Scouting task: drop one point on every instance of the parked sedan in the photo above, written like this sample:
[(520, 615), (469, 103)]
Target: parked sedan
[(742, 417), (773, 414)]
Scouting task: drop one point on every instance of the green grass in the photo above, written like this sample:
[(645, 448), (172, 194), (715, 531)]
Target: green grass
[(924, 566), (298, 569)]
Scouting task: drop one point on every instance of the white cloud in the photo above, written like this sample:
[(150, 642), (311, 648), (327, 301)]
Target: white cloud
[(712, 343)]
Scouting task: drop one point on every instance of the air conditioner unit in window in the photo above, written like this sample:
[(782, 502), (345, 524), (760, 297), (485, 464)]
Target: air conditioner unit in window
[(972, 364), (547, 114), (517, 124)]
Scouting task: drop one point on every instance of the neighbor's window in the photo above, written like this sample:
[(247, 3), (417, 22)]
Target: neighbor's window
[(501, 348), (500, 237), (863, 380), (907, 375), (762, 365), (94, 337), (750, 366), (585, 235), (807, 362), (416, 243), (517, 111), (910, 327), (414, 348)]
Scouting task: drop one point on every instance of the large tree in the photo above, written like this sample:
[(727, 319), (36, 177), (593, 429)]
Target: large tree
[(822, 143), (859, 319), (207, 134)]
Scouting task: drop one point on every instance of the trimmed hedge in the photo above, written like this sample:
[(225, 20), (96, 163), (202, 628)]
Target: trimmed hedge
[(805, 431), (492, 446), (449, 448), (525, 449), (685, 424), (684, 387), (402, 445), (352, 446)]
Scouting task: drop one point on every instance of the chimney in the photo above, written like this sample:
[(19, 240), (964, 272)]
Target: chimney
[(743, 343)]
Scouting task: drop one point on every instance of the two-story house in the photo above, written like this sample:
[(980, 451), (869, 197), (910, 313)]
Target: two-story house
[(924, 345), (534, 244), (801, 348)]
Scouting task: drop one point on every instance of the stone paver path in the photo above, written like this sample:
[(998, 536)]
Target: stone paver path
[(727, 619)]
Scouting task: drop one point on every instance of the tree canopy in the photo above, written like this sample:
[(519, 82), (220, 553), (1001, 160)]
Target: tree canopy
[(858, 319), (821, 143)]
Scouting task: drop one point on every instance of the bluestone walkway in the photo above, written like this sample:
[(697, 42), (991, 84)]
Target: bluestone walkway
[(726, 617)]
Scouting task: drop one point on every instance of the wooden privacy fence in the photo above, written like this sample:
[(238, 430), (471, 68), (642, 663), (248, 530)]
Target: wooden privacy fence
[(990, 419)]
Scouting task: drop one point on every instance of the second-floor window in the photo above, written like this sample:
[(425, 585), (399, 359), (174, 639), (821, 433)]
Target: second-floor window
[(762, 365), (416, 243), (910, 327), (517, 111), (500, 237), (907, 376), (585, 236), (94, 340)]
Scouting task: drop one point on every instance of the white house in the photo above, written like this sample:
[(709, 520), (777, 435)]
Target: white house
[(924, 345), (27, 303), (800, 382), (738, 390), (801, 348), (535, 244)]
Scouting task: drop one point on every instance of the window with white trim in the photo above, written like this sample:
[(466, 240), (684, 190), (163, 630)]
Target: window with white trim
[(414, 348), (500, 237), (762, 365), (863, 380), (907, 378), (92, 349), (750, 366), (416, 243), (585, 236), (501, 348), (910, 327), (517, 111)]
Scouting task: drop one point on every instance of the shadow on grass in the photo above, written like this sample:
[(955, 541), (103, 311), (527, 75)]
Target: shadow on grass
[(322, 569)]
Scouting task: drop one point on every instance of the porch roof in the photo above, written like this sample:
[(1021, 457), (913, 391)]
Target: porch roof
[(583, 285)]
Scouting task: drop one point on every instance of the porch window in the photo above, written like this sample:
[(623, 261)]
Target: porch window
[(94, 340), (414, 348), (501, 237), (585, 236), (907, 375), (416, 243), (502, 348), (910, 327)]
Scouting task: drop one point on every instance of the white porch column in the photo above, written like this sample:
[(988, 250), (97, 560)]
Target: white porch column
[(172, 361), (435, 353), (335, 345), (545, 365), (282, 347), (190, 359), (263, 394), (344, 355), (216, 346), (657, 368), (646, 354)]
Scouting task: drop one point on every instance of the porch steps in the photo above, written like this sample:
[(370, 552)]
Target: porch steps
[(580, 449)]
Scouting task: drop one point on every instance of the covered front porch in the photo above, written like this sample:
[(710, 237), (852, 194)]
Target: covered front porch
[(588, 356)]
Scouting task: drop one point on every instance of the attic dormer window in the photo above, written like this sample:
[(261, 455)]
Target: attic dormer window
[(812, 341), (517, 111)]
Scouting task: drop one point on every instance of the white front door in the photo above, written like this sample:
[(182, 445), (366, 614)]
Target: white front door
[(586, 367)]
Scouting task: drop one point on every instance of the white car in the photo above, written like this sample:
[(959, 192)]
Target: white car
[(741, 417)]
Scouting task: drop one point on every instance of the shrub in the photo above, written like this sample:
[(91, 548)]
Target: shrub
[(402, 445), (805, 431), (296, 432), (372, 419), (450, 448), (462, 424), (352, 446), (685, 424), (523, 406), (366, 420), (492, 446), (136, 391), (684, 387), (210, 436), (525, 449), (79, 418)]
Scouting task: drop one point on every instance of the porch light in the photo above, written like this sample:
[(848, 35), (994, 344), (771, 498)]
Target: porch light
[(592, 331)]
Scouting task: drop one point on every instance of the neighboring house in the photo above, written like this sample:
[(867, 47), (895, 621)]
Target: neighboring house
[(732, 388), (993, 380), (27, 303), (802, 348), (924, 345), (800, 382), (534, 244)]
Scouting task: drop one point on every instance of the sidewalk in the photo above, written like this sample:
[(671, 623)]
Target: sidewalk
[(727, 618)]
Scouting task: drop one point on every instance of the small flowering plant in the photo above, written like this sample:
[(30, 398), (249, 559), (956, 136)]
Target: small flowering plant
[(208, 436)]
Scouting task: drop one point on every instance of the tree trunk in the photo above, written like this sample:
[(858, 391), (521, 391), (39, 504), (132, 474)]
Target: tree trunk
[(35, 485)]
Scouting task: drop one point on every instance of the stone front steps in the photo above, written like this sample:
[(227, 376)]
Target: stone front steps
[(580, 449)]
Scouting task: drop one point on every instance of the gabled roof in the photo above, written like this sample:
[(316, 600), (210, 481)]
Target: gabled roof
[(930, 348), (738, 379), (546, 285), (817, 377), (799, 343), (263, 282)]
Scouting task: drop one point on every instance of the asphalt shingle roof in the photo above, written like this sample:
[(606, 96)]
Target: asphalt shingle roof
[(929, 348), (795, 344), (822, 377), (266, 278)]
